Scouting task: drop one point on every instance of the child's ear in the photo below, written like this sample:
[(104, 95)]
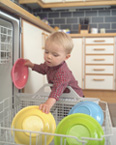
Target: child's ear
[(67, 56)]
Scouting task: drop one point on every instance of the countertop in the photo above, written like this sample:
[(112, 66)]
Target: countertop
[(93, 35), (17, 11)]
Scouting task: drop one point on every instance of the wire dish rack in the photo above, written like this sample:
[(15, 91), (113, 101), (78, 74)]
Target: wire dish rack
[(6, 34), (10, 106)]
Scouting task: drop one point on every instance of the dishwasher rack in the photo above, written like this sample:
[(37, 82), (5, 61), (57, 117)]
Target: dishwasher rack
[(10, 106), (6, 36)]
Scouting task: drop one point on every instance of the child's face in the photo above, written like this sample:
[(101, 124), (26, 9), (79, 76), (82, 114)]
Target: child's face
[(54, 55)]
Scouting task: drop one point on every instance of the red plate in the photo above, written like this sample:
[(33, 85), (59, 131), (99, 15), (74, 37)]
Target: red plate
[(19, 73)]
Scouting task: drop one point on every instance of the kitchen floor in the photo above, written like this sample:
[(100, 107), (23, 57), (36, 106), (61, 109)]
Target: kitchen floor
[(112, 109)]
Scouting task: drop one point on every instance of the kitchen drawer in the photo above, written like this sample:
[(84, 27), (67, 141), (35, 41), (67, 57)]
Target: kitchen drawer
[(93, 69), (97, 59), (100, 40), (99, 82), (100, 49)]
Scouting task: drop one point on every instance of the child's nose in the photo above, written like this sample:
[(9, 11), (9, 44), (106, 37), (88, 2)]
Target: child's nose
[(49, 56)]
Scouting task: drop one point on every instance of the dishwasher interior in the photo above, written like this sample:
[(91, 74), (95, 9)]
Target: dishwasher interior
[(8, 110)]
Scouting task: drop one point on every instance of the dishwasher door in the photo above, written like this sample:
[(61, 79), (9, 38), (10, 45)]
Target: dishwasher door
[(9, 52), (113, 138)]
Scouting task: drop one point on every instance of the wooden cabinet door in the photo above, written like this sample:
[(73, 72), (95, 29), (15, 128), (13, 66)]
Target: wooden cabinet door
[(75, 61), (32, 50)]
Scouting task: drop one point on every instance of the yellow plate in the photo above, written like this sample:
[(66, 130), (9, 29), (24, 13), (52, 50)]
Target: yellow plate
[(32, 119)]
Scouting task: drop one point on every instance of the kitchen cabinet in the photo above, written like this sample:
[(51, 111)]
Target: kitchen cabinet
[(99, 63), (32, 50), (15, 10), (98, 60), (68, 3), (75, 61)]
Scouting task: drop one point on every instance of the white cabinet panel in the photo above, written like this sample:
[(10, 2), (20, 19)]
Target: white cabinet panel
[(99, 63), (100, 40), (98, 59), (99, 82), (93, 69), (100, 49), (32, 49), (75, 61)]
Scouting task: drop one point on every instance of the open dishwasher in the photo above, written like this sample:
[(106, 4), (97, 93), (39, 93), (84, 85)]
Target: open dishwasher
[(9, 107)]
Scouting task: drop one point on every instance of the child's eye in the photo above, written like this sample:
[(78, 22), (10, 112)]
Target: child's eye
[(46, 51), (56, 55)]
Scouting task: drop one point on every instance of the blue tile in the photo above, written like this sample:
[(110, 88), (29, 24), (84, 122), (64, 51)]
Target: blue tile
[(113, 12), (104, 12), (65, 27), (110, 19), (78, 14), (42, 15), (59, 21), (75, 27), (93, 25), (113, 25), (97, 19), (50, 21), (111, 31), (65, 14), (91, 13), (71, 20), (106, 26), (53, 15), (74, 31)]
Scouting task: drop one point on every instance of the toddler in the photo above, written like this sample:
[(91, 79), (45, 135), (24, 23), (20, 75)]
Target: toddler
[(58, 47)]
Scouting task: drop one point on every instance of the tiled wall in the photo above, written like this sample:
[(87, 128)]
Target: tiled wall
[(69, 19)]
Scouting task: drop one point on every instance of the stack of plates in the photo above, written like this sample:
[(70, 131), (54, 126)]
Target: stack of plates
[(89, 108), (32, 119), (19, 73), (79, 125)]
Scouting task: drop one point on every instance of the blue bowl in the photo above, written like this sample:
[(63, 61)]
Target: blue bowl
[(89, 108)]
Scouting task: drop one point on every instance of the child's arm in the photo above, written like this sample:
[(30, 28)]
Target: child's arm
[(29, 63), (47, 105)]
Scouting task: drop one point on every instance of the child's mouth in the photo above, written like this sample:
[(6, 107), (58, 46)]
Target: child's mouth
[(48, 62)]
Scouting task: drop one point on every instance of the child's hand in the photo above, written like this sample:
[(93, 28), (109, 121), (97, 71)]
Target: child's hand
[(45, 107), (29, 63)]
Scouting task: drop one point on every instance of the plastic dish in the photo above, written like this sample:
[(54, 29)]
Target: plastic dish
[(90, 108), (32, 119), (19, 73), (79, 125)]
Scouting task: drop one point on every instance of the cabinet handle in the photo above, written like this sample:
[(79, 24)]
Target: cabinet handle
[(102, 59), (99, 40), (98, 79), (46, 35), (99, 49), (99, 69), (44, 38)]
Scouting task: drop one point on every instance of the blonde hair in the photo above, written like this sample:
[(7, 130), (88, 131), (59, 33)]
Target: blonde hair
[(61, 39)]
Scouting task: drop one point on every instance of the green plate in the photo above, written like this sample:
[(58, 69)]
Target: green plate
[(79, 125)]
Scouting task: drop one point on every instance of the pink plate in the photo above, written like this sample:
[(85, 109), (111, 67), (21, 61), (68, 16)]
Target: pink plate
[(19, 73)]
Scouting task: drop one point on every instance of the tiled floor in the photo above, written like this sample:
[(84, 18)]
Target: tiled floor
[(112, 109)]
